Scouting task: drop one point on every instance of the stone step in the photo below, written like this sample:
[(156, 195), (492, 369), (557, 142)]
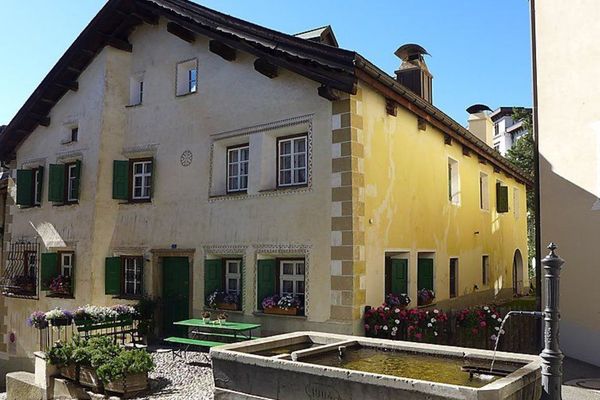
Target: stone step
[(65, 389), (21, 385)]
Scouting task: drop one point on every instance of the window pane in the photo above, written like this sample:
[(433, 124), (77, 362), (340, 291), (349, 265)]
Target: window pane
[(232, 267), (233, 183), (285, 147), (137, 192), (244, 168), (285, 177), (299, 145), (285, 162), (288, 287), (300, 160), (233, 156), (244, 182), (137, 168), (301, 176), (300, 269), (233, 285), (233, 170), (300, 287), (244, 154), (288, 268), (148, 168)]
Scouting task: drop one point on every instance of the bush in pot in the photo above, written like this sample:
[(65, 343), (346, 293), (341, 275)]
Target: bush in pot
[(61, 355), (127, 372)]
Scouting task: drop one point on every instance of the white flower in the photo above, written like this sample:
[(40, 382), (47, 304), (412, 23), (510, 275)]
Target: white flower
[(385, 328), (387, 309), (429, 325), (486, 308), (435, 333), (502, 332), (433, 320), (393, 333), (397, 310), (397, 321), (55, 314), (394, 329), (499, 319), (493, 337), (496, 328), (436, 311)]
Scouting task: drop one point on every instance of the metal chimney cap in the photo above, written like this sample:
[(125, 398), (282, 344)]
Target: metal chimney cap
[(477, 108), (407, 50)]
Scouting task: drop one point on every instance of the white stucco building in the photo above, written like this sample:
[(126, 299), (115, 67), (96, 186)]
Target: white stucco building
[(506, 130)]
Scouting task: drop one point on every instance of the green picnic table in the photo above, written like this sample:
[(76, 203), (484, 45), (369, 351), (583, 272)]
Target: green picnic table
[(230, 330)]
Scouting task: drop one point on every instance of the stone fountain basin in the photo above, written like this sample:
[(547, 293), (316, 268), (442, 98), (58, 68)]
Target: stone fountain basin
[(264, 369)]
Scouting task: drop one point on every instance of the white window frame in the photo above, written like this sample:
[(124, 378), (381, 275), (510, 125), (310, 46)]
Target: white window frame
[(137, 264), (136, 90), (143, 175), (67, 265), (71, 178), (36, 182), (454, 182), (231, 275), (238, 163), (294, 277), (293, 155), (187, 77), (484, 191)]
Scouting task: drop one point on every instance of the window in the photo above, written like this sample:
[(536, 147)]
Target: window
[(66, 264), (30, 267), (453, 277), (484, 195), (291, 278), (29, 186), (453, 182), (501, 197), (291, 161), (187, 77), (497, 148), (132, 275), (72, 182), (237, 168), (233, 276), (516, 203), (485, 270), (74, 134), (396, 274), (136, 90), (141, 179), (496, 128)]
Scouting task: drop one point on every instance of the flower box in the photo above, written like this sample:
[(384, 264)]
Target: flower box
[(60, 321), (132, 383), (227, 306), (281, 311), (69, 371), (88, 377)]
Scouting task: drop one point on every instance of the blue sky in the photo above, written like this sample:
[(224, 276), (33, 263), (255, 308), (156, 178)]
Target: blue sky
[(480, 48)]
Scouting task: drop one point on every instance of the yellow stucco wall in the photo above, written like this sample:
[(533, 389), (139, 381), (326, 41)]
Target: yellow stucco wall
[(407, 207)]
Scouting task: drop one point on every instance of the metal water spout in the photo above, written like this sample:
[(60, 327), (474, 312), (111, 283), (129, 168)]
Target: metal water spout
[(341, 351)]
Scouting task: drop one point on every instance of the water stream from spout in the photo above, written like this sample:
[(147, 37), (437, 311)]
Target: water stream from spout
[(500, 332)]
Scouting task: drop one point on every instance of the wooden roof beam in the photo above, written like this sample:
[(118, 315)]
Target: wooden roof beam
[(222, 50), (147, 17), (181, 32), (70, 85), (43, 120), (328, 93), (266, 68), (70, 68), (48, 101), (117, 43), (391, 107)]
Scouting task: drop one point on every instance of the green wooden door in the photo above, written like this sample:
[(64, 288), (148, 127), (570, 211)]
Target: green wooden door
[(176, 294), (425, 274), (399, 276)]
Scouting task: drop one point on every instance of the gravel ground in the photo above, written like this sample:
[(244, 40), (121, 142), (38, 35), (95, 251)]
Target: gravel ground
[(180, 379)]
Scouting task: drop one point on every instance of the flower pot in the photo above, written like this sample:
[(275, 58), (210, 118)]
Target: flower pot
[(89, 378), (221, 321), (132, 383), (281, 311), (227, 306), (60, 322), (69, 371), (206, 320)]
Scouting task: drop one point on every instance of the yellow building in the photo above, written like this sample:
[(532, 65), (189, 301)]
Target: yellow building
[(184, 151)]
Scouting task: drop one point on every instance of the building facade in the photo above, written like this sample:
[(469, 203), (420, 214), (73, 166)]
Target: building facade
[(569, 162), (173, 159), (506, 130)]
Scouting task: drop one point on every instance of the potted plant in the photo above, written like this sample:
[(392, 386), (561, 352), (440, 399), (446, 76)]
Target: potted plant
[(400, 301), (59, 317), (222, 318), (91, 355), (284, 305), (38, 320), (60, 285), (229, 301), (127, 372), (61, 355), (425, 297), (206, 317), (24, 284), (145, 315)]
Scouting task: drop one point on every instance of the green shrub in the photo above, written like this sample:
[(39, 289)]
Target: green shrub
[(126, 362), (60, 354)]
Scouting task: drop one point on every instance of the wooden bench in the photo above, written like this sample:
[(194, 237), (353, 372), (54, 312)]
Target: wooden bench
[(221, 335), (187, 342)]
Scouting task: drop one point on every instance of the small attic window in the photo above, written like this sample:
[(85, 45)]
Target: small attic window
[(187, 77), (74, 134), (136, 90)]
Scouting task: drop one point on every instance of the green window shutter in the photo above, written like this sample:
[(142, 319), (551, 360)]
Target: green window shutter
[(399, 278), (425, 274), (77, 179), (25, 187), (49, 269), (266, 275), (120, 180), (56, 183), (501, 198), (213, 276), (40, 185), (112, 275)]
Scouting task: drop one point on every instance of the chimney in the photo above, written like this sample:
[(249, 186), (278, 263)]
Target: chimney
[(413, 72), (480, 124)]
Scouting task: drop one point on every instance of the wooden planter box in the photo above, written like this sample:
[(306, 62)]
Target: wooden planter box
[(227, 306), (281, 311), (69, 371), (89, 378), (131, 384)]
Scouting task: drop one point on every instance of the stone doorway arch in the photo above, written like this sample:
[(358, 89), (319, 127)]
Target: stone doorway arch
[(518, 273)]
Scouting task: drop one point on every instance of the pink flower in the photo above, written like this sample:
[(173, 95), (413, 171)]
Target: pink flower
[(482, 324), (418, 336)]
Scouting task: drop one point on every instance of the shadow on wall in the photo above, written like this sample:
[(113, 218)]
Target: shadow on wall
[(570, 217)]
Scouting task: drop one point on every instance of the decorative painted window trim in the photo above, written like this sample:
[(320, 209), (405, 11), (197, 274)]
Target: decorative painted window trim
[(231, 251), (269, 126), (33, 163), (140, 151), (70, 156)]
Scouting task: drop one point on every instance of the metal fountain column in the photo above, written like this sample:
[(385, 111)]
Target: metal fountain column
[(551, 355)]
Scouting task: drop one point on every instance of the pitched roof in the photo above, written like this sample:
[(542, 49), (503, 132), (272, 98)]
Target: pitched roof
[(333, 67)]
